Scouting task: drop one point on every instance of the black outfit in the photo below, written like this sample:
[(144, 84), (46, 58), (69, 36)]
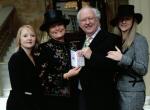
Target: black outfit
[(98, 73), (26, 91), (53, 58)]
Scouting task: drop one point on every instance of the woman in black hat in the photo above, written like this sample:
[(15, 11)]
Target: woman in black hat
[(132, 59), (53, 57)]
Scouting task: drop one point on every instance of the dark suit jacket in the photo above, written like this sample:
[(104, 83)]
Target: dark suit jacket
[(98, 73), (24, 82)]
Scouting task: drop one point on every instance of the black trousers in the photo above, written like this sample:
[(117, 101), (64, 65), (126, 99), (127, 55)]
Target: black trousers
[(82, 101)]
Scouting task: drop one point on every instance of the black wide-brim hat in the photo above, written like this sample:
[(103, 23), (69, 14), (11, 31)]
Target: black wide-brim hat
[(126, 11), (52, 17)]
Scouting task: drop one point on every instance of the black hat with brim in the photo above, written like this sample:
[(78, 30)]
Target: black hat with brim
[(53, 17), (126, 11)]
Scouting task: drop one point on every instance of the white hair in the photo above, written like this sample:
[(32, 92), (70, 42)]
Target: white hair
[(94, 10)]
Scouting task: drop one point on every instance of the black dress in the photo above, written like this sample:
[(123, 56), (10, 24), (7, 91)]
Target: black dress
[(53, 58)]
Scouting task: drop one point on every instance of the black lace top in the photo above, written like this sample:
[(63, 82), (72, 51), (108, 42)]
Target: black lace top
[(53, 58)]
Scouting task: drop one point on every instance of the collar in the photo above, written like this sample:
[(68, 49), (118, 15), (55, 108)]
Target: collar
[(93, 36)]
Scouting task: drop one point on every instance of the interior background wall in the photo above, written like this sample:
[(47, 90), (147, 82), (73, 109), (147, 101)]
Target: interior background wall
[(28, 11)]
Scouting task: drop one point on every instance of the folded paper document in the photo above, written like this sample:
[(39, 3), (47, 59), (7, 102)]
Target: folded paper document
[(76, 60)]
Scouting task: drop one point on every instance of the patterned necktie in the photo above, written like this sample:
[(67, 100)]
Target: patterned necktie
[(86, 44), (87, 41)]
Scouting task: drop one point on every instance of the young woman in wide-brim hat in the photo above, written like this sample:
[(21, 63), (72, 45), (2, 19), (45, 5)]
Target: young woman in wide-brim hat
[(132, 59)]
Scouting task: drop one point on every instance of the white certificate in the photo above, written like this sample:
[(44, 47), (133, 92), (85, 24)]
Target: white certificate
[(76, 60)]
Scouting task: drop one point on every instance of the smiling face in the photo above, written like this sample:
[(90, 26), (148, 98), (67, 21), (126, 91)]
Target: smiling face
[(88, 21), (125, 24), (57, 32), (27, 38)]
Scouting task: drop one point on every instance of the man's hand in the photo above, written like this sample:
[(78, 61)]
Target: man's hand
[(86, 52)]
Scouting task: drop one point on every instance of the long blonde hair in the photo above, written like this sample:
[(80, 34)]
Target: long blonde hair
[(129, 37), (18, 42)]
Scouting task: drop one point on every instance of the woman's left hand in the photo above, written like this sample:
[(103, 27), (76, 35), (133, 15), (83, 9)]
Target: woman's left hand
[(115, 55)]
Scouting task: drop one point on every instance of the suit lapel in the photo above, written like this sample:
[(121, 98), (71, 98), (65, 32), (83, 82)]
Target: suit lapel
[(98, 39)]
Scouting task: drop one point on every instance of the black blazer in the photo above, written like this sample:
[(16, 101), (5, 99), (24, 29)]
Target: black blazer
[(98, 73), (24, 82)]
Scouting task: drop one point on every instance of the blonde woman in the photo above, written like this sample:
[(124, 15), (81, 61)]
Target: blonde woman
[(25, 91), (133, 59)]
